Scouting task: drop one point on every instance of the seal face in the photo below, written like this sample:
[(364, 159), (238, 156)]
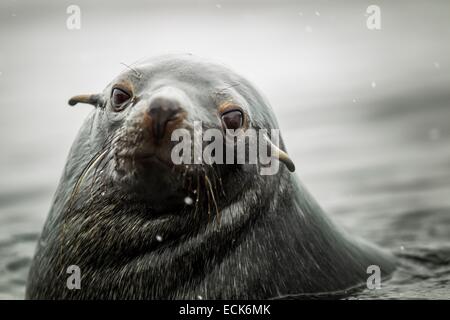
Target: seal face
[(139, 226)]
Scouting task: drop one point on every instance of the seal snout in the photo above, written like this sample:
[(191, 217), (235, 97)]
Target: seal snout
[(162, 111)]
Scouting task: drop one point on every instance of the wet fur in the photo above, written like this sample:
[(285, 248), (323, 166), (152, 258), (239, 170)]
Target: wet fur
[(245, 236)]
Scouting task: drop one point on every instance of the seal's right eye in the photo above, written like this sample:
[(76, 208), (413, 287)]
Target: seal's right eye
[(119, 98)]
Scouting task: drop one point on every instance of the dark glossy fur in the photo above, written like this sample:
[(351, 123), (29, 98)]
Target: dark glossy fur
[(266, 238)]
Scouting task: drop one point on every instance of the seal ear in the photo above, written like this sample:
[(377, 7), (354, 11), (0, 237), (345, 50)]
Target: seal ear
[(282, 156), (94, 99)]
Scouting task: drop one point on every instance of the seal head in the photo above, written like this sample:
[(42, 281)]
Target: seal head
[(140, 226)]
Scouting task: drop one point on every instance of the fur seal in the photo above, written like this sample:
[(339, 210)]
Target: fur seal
[(120, 212)]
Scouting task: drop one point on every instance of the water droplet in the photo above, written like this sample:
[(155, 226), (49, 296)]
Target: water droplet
[(199, 297), (159, 238), (318, 13), (437, 65), (354, 100), (373, 84), (300, 14), (103, 194), (402, 248), (308, 29), (218, 6), (188, 201)]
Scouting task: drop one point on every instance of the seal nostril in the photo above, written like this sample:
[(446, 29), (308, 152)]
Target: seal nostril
[(161, 111)]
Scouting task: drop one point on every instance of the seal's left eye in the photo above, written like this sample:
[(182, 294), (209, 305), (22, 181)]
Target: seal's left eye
[(118, 98), (232, 119)]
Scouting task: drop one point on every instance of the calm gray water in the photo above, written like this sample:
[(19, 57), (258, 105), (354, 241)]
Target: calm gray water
[(365, 114)]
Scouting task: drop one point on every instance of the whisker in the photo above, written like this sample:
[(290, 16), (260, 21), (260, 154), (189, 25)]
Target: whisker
[(136, 73), (84, 173), (208, 200), (93, 163), (217, 177), (213, 198)]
